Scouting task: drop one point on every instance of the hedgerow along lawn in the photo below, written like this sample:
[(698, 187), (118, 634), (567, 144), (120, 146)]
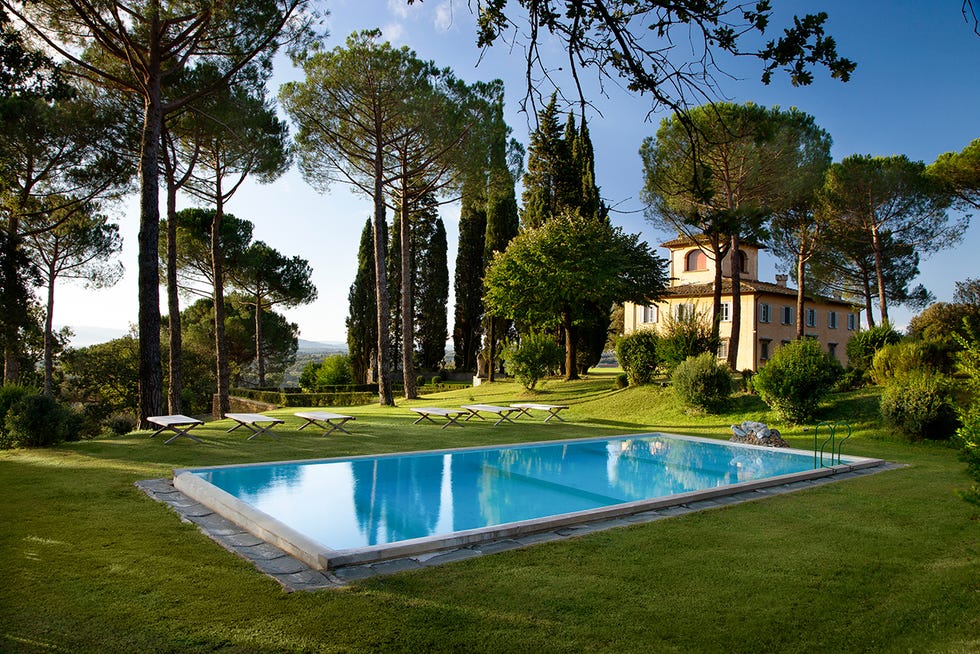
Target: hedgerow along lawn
[(889, 562)]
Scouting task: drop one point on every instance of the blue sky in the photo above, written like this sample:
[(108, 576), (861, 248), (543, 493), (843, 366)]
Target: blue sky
[(916, 91)]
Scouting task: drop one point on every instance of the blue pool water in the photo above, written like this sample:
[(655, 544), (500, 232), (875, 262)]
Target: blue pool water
[(366, 501)]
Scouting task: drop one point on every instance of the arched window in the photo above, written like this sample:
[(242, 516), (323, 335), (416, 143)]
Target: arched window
[(743, 261), (696, 260)]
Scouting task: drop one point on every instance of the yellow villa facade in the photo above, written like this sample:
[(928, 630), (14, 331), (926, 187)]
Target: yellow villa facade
[(768, 317)]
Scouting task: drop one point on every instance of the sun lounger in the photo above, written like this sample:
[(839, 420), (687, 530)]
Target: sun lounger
[(253, 422), (502, 412), (452, 416), (332, 421), (552, 409), (176, 423)]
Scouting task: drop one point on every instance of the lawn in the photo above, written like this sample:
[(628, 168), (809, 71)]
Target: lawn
[(886, 563)]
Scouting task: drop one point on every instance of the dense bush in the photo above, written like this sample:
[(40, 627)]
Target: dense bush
[(702, 383), (896, 360), (334, 370), (622, 381), (796, 379), (532, 359), (685, 337), (39, 421), (968, 435), (120, 423), (852, 379), (863, 345), (11, 394), (637, 356), (919, 405)]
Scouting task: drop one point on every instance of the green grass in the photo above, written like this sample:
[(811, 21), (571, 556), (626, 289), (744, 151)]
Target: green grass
[(887, 563)]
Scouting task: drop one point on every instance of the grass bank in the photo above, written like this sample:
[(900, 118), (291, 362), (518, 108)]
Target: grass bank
[(887, 563)]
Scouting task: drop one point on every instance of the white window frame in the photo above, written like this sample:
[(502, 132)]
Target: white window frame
[(683, 311), (723, 348), (726, 312), (765, 312), (651, 314)]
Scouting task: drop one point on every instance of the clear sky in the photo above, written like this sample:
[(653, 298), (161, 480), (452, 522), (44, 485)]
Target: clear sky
[(916, 91)]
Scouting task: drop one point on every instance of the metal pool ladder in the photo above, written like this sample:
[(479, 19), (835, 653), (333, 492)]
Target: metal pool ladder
[(832, 428)]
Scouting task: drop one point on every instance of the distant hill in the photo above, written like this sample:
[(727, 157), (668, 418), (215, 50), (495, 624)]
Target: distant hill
[(311, 347), (85, 335)]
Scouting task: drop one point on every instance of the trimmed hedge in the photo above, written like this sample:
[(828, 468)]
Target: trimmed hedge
[(351, 395)]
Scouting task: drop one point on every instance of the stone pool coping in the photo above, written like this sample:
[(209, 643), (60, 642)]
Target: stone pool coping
[(294, 570)]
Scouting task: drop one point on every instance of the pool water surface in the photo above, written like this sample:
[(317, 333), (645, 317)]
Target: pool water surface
[(375, 505)]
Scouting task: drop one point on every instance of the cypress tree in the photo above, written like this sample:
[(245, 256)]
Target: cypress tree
[(393, 274), (432, 290), (544, 166), (469, 274), (362, 317)]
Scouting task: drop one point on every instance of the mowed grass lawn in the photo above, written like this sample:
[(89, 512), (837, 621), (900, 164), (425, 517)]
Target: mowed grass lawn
[(886, 563)]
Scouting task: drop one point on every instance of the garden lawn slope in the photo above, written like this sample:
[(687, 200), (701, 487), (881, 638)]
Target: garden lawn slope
[(889, 562)]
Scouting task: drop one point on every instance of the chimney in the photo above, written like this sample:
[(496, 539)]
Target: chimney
[(781, 280)]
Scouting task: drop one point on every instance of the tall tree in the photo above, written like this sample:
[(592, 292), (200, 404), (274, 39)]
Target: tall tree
[(552, 274), (18, 274), (468, 286), (265, 279), (240, 137), (881, 199), (721, 183), (432, 288), (56, 154), (81, 245), (547, 169), (355, 102), (138, 55), (960, 173), (362, 317)]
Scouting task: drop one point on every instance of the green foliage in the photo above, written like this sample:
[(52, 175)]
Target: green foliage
[(968, 435), (919, 405), (796, 379), (703, 383), (684, 337), (431, 287), (39, 421), (11, 394), (532, 359), (863, 345), (120, 424), (897, 360), (622, 381), (469, 275), (362, 315), (350, 395), (637, 354), (104, 377), (334, 370)]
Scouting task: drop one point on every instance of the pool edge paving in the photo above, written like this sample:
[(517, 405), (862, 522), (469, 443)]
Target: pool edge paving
[(293, 574)]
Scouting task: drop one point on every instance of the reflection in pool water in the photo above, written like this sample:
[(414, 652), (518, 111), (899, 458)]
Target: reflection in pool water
[(375, 500)]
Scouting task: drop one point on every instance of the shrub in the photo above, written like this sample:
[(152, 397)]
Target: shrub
[(685, 337), (38, 421), (747, 385), (852, 379), (11, 394), (919, 405), (437, 379), (702, 382), (120, 423), (863, 345), (637, 354), (622, 381), (532, 359), (420, 380), (334, 370), (796, 379), (896, 360)]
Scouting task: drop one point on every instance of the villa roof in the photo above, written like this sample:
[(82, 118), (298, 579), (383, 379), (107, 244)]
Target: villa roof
[(748, 287), (685, 241)]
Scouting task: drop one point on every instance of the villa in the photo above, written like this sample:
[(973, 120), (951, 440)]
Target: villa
[(768, 318)]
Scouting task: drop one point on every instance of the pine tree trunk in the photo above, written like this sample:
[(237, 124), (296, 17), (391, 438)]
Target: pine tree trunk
[(217, 272), (800, 296), (150, 367), (176, 363), (736, 303), (385, 397), (259, 358), (48, 336), (571, 354), (407, 308)]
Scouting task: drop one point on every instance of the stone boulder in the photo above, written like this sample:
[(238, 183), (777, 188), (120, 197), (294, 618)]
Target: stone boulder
[(757, 433)]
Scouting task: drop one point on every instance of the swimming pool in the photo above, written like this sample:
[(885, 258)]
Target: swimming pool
[(332, 512)]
